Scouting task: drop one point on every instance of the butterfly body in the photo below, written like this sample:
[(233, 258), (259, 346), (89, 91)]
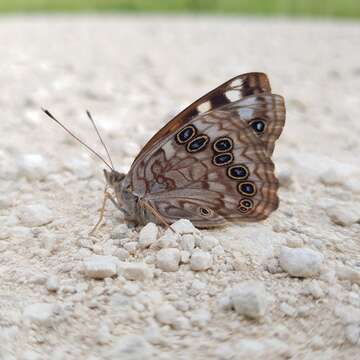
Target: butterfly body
[(211, 163)]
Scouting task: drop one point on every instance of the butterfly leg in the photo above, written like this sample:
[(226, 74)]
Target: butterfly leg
[(107, 196), (156, 214)]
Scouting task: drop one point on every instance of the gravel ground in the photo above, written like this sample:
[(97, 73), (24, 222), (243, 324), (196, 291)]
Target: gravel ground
[(288, 287)]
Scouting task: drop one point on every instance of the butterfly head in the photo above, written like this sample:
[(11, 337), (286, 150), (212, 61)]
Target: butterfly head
[(114, 178)]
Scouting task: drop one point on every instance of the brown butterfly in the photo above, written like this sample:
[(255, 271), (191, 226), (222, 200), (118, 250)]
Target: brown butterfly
[(210, 164)]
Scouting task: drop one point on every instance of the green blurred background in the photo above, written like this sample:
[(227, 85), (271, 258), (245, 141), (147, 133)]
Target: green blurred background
[(320, 8)]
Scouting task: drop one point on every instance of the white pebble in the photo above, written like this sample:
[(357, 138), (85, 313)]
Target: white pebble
[(352, 334), (135, 271), (200, 260), (6, 201), (207, 243), (131, 347), (121, 254), (200, 318), (313, 288), (168, 240), (166, 314), (30, 355), (168, 259), (120, 231), (181, 323), (148, 235), (184, 226), (35, 215), (184, 257), (344, 215), (33, 166), (100, 267), (347, 273), (187, 242), (103, 335), (131, 247), (250, 299), (131, 289), (300, 262), (52, 283), (41, 313), (288, 310)]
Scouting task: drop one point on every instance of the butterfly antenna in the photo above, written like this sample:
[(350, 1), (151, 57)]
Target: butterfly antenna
[(99, 136), (52, 117)]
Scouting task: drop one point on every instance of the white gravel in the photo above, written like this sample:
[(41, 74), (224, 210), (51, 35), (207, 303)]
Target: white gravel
[(301, 262), (134, 73)]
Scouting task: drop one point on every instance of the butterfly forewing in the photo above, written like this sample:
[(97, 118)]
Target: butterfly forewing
[(241, 85)]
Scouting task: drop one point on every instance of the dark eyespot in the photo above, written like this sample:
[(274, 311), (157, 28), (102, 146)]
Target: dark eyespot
[(245, 205), (223, 159), (247, 188), (186, 134), (238, 172), (223, 144), (258, 125), (197, 144), (205, 211)]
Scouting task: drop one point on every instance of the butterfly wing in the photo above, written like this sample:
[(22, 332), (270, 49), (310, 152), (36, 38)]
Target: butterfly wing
[(215, 167), (245, 85)]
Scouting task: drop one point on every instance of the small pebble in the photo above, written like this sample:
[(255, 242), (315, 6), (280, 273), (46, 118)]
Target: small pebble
[(121, 254), (166, 314), (103, 336), (288, 310), (184, 257), (135, 271), (344, 215), (52, 283), (200, 318), (168, 240), (168, 259), (131, 289), (250, 299), (313, 288), (207, 243), (184, 226), (100, 267), (347, 273), (41, 313), (352, 334), (33, 166), (130, 347), (148, 235), (35, 215), (131, 247), (200, 260), (300, 262), (187, 242), (120, 231)]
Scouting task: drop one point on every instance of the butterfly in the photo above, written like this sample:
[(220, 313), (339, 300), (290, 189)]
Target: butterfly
[(210, 164)]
